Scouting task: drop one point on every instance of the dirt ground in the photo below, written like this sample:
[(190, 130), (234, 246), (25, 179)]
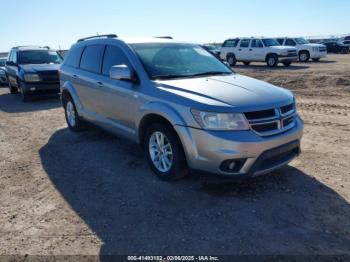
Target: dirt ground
[(93, 193)]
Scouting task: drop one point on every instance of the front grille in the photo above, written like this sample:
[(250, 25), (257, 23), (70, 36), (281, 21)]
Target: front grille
[(287, 108), (265, 127), (272, 121), (260, 114), (49, 76)]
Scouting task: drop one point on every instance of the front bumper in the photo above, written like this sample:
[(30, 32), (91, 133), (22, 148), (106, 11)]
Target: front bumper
[(318, 55), (40, 87), (207, 150)]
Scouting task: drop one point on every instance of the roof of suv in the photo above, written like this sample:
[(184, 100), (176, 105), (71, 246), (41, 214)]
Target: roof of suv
[(31, 48)]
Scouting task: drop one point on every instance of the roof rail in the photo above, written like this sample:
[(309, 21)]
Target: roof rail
[(97, 36), (165, 37)]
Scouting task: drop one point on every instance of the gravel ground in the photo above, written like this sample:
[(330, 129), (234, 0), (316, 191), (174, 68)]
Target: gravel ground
[(92, 193)]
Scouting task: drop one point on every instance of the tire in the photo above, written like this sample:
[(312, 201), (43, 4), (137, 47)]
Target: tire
[(13, 90), (287, 64), (231, 59), (24, 95), (304, 56), (315, 59), (74, 122), (272, 60), (246, 63), (344, 51), (173, 166)]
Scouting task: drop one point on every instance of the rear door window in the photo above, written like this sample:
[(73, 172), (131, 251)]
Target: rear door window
[(73, 57), (245, 43), (113, 56), (92, 58)]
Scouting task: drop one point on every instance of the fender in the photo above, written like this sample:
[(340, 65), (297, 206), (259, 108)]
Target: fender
[(162, 109), (68, 87)]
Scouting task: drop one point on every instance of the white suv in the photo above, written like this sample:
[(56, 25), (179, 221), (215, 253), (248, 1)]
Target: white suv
[(306, 50), (257, 50)]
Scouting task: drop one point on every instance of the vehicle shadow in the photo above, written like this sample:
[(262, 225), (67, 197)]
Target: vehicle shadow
[(265, 67), (107, 182), (10, 103)]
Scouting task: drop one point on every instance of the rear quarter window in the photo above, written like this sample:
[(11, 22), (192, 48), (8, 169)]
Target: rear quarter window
[(230, 43), (73, 57)]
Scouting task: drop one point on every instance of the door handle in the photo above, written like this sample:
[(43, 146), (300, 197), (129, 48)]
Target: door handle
[(75, 76), (239, 49), (250, 49), (100, 84)]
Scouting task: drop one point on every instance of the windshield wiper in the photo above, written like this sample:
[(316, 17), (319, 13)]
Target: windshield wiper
[(212, 73)]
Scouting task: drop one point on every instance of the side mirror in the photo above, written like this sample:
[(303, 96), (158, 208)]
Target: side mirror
[(10, 63), (122, 72)]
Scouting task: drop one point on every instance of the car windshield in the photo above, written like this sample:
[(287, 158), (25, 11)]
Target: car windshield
[(2, 61), (39, 57), (176, 60), (211, 47), (270, 42), (301, 41)]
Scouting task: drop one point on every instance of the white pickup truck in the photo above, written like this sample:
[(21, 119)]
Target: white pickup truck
[(306, 50), (249, 50)]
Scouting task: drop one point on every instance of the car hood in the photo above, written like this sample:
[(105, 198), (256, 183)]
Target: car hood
[(314, 45), (231, 92), (283, 48), (37, 68)]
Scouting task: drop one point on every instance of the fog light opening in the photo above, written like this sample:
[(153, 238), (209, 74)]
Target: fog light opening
[(232, 165)]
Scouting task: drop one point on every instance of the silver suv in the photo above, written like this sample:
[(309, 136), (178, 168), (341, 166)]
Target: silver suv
[(187, 109)]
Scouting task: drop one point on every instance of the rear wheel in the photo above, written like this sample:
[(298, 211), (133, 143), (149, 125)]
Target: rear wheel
[(246, 63), (231, 59), (304, 56), (287, 64), (75, 123), (272, 60), (164, 152)]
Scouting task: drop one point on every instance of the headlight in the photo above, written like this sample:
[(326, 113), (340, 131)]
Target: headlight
[(2, 73), (31, 77), (220, 121)]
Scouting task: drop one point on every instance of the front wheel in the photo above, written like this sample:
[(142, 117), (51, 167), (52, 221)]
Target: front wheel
[(75, 123), (231, 59), (304, 56), (272, 60), (13, 90), (164, 152)]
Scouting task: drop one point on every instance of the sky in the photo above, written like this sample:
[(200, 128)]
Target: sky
[(60, 23)]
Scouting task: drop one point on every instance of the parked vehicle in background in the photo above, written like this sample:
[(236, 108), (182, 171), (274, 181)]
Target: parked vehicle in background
[(249, 50), (3, 78), (185, 107), (345, 42), (336, 47), (306, 50), (212, 49), (33, 69)]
